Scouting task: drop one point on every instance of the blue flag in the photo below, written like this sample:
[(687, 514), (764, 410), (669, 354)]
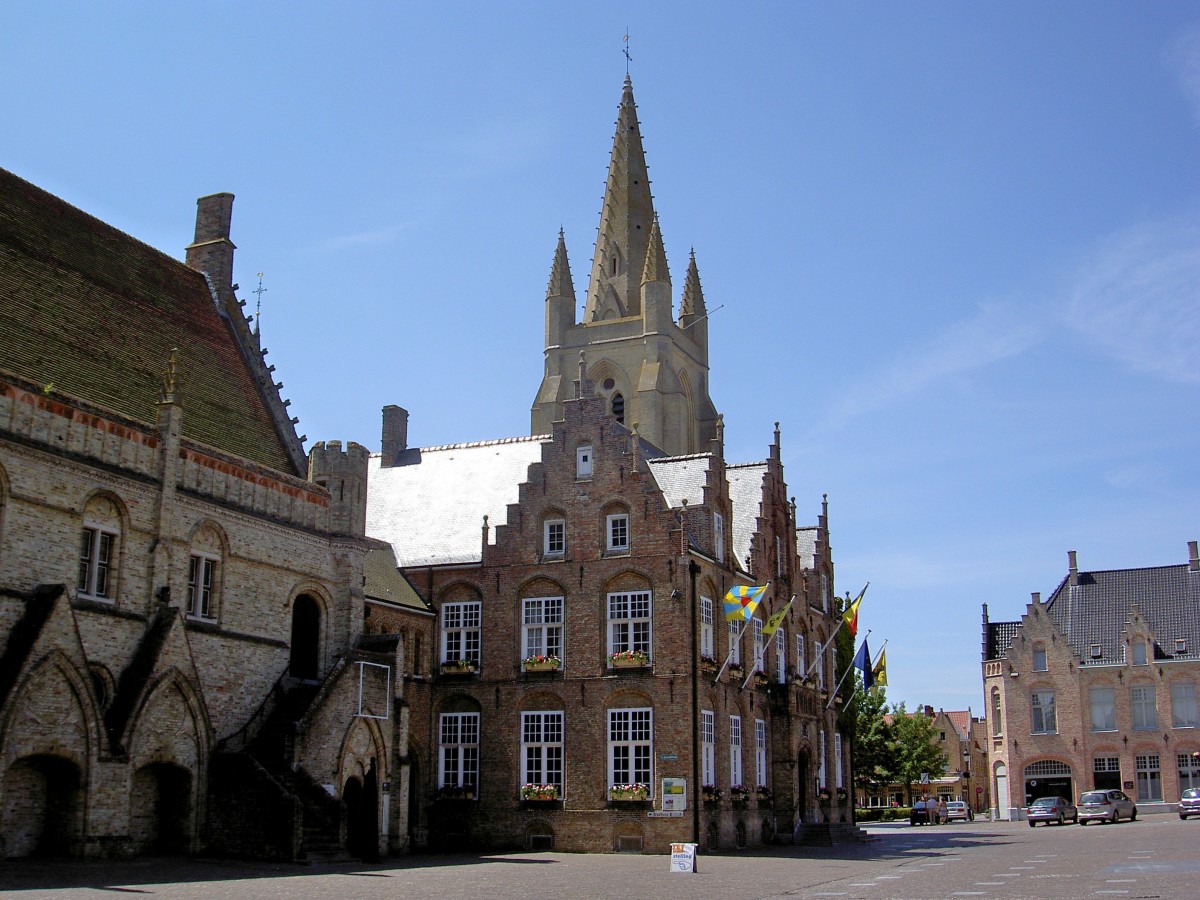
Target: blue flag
[(862, 661)]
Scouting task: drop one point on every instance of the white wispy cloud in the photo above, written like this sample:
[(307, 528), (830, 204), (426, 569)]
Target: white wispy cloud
[(1137, 299), (1183, 57), (490, 148), (997, 331)]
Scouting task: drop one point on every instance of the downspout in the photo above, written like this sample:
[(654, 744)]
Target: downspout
[(693, 571)]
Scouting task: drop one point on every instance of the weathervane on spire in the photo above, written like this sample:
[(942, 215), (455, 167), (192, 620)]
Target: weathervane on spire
[(628, 58), (258, 292)]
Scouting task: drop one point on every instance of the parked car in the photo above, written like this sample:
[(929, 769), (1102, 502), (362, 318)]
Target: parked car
[(1051, 809), (920, 815), (1189, 803), (958, 809), (1106, 806)]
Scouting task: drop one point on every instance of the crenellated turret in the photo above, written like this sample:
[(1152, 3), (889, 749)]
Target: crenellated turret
[(344, 474)]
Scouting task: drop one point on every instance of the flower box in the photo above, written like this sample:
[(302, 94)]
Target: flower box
[(539, 792), (628, 659), (456, 793), (541, 664), (738, 795), (629, 793), (764, 792), (710, 794), (459, 667)]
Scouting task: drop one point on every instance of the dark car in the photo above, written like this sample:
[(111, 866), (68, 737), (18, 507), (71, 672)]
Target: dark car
[(921, 811), (1051, 809), (1106, 806), (1189, 803)]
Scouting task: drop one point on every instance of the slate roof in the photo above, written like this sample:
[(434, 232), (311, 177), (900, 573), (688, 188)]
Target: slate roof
[(745, 492), (1097, 608), (681, 478), (806, 546), (430, 506), (95, 313)]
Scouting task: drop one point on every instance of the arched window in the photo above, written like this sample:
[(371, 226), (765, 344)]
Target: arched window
[(306, 638), (98, 550), (204, 569), (997, 722), (1039, 657)]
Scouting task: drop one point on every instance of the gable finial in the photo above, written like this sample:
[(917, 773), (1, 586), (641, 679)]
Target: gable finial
[(625, 50), (172, 384)]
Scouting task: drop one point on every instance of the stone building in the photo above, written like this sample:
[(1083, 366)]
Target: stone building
[(182, 662), (1095, 688), (577, 698)]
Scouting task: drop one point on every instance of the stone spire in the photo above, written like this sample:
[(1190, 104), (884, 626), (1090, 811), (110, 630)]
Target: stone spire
[(693, 294), (655, 269), (625, 222), (560, 284)]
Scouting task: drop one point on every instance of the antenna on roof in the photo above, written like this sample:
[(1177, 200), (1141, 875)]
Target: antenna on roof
[(625, 50), (258, 292)]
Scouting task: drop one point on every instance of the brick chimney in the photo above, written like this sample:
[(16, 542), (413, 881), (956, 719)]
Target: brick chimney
[(1193, 557), (395, 434), (1072, 569), (212, 251)]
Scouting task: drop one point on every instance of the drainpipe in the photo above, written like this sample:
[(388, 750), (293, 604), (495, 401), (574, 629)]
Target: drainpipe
[(693, 571)]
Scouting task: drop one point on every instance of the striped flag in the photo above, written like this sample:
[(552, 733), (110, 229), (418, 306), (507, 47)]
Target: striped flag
[(742, 600)]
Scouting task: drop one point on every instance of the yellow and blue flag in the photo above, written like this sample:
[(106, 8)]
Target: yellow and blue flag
[(742, 600)]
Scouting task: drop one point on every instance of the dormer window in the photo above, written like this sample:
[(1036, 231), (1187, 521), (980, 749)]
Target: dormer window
[(583, 461), (1180, 645), (1039, 657), (1095, 651), (1139, 652)]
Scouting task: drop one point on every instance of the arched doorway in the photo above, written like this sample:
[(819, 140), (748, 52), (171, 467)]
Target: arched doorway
[(352, 796), (1048, 778), (160, 809), (362, 815), (306, 639), (803, 778), (42, 811)]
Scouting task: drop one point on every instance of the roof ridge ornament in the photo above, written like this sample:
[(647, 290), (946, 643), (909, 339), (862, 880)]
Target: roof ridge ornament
[(172, 385)]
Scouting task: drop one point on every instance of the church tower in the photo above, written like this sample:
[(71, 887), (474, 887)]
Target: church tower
[(651, 369)]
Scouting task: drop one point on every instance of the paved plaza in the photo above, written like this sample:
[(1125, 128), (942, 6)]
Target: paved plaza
[(1157, 856)]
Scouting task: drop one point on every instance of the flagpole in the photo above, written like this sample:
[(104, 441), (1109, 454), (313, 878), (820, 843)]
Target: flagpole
[(841, 622), (874, 663), (759, 659), (736, 644), (849, 669)]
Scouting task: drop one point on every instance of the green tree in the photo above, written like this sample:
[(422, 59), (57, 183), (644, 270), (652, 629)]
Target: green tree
[(916, 750), (874, 744)]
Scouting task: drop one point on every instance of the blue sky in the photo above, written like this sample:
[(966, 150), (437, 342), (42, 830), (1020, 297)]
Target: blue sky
[(957, 245)]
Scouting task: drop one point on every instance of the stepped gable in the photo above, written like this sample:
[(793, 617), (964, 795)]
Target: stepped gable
[(430, 505), (681, 478), (1097, 607), (89, 312)]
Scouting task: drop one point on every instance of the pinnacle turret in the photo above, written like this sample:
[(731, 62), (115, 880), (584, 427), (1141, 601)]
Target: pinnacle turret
[(561, 284), (693, 294), (655, 268)]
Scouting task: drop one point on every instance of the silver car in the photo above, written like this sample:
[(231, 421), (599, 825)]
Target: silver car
[(1051, 809), (1106, 806), (1189, 803)]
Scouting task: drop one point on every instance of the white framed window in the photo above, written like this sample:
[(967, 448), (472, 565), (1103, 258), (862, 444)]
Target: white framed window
[(719, 536), (837, 760), (583, 461), (1189, 771), (801, 656), (458, 750), (1149, 776), (819, 663), (1103, 705), (824, 592), (1139, 652), (629, 622), (97, 559), (708, 748), (202, 580), (542, 749), (1041, 713), (781, 656), (997, 719), (821, 770), (735, 645), (760, 753), (706, 629), (756, 627), (460, 631), (1183, 704), (617, 529), (542, 626), (631, 747), (1143, 706), (735, 751), (1039, 657), (554, 537)]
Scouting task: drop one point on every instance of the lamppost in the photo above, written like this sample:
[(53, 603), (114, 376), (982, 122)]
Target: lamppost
[(966, 774)]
